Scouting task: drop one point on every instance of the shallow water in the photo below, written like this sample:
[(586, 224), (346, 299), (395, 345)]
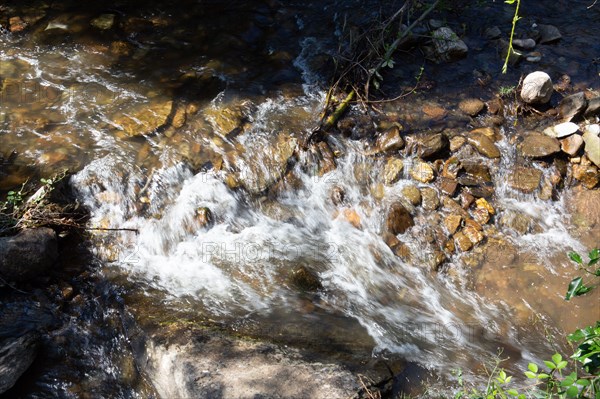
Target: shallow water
[(249, 73)]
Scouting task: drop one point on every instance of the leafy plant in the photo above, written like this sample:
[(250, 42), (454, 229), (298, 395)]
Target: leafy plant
[(512, 33), (576, 286)]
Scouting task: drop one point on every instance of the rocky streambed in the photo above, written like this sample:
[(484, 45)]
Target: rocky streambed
[(224, 259)]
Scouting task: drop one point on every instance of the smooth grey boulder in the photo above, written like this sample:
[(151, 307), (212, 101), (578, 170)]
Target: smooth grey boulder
[(28, 254)]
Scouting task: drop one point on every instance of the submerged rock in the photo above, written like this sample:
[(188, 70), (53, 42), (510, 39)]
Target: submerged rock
[(524, 44), (305, 280), (587, 175), (392, 171), (537, 88), (525, 179), (104, 21), (471, 106), (16, 355), (412, 194), (548, 33), (593, 107), (431, 200), (398, 219), (537, 145), (144, 119), (448, 46), (27, 255), (422, 171)]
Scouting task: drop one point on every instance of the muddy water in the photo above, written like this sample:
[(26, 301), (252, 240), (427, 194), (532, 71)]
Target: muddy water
[(231, 91)]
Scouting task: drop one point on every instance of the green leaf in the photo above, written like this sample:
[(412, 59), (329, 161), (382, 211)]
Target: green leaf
[(530, 374), (582, 382), (512, 392), (573, 391), (575, 257), (556, 358), (594, 254), (576, 288), (533, 367), (509, 1), (561, 365), (543, 376), (549, 364), (567, 382)]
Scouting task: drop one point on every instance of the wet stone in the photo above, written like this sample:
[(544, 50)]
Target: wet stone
[(337, 195), (392, 171), (422, 171), (145, 119), (561, 130), (451, 168), (482, 203), (448, 186), (305, 280), (572, 144), (16, 24), (390, 140), (473, 234), (548, 33), (431, 200), (457, 142), (103, 22), (525, 179), (481, 215), (204, 217), (484, 145), (593, 107), (462, 242), (524, 44), (592, 147), (448, 46), (537, 145), (433, 145), (587, 174), (572, 106), (452, 223), (399, 219), (471, 106), (412, 194)]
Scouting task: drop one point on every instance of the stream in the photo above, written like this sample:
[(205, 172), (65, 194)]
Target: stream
[(181, 122)]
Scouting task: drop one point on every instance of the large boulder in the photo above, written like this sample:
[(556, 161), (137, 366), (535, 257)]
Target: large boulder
[(28, 254), (537, 145), (16, 355), (537, 88)]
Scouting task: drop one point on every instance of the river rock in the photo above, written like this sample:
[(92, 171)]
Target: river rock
[(412, 194), (524, 44), (478, 171), (471, 106), (537, 88), (537, 145), (571, 145), (433, 145), (422, 171), (448, 45), (452, 223), (103, 22), (592, 147), (27, 255), (16, 24), (592, 129), (572, 106), (144, 119), (492, 32), (473, 233), (548, 33), (593, 107), (584, 206), (338, 195), (431, 200), (586, 174), (305, 279), (481, 215), (390, 140), (561, 130), (525, 179), (457, 142), (448, 186), (482, 203), (398, 219), (451, 168), (462, 242), (392, 171), (16, 355), (484, 145)]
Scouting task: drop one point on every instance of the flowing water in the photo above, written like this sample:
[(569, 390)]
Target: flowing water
[(246, 77)]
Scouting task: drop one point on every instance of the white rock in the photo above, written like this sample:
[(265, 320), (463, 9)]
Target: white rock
[(592, 129), (562, 130), (537, 88), (592, 147)]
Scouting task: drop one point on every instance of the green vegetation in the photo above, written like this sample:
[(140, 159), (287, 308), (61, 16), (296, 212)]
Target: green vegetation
[(560, 378), (512, 33)]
